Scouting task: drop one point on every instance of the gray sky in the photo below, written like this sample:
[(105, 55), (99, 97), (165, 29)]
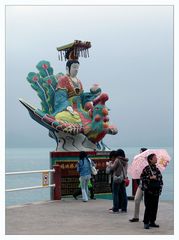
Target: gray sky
[(131, 59)]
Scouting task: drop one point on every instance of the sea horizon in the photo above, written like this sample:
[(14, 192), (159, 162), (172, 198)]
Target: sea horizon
[(29, 159)]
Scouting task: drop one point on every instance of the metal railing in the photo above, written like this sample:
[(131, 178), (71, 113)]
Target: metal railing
[(25, 172), (45, 180)]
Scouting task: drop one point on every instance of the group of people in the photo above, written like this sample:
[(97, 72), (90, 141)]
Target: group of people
[(117, 168), (149, 185)]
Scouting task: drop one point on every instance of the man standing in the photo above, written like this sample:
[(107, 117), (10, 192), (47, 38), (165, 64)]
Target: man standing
[(152, 184)]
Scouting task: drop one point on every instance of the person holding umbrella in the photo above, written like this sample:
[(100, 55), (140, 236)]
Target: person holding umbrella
[(152, 184), (138, 197)]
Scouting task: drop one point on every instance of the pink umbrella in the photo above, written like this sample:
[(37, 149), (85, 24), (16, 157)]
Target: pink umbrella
[(140, 161)]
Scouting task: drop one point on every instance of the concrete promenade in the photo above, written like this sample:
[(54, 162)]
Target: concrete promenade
[(74, 217)]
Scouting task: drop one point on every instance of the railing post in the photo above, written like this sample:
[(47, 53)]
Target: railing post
[(57, 182)]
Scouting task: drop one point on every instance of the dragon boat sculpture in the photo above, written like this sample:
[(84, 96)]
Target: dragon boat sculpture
[(77, 120)]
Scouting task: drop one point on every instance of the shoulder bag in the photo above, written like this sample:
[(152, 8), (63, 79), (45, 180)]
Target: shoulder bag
[(93, 169)]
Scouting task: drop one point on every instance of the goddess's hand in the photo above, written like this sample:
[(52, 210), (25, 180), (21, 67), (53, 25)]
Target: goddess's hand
[(70, 109)]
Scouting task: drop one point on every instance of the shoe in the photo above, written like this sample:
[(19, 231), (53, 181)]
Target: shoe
[(85, 200), (111, 211), (134, 220), (146, 226), (93, 198), (154, 225), (75, 197), (123, 211)]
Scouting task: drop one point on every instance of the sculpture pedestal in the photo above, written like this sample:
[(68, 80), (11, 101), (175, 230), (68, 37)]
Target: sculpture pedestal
[(70, 176)]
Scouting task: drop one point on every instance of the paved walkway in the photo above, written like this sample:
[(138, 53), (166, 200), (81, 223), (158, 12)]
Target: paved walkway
[(74, 217)]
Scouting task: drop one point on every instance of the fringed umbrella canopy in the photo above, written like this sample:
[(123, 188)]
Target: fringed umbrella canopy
[(74, 50)]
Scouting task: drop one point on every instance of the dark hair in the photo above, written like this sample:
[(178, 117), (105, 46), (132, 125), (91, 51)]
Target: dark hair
[(143, 149), (149, 157), (112, 154), (82, 155), (120, 153), (70, 62)]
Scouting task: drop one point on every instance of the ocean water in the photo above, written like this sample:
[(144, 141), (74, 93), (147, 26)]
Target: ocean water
[(28, 159)]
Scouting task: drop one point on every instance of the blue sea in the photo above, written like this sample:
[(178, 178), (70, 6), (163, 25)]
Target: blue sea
[(28, 159)]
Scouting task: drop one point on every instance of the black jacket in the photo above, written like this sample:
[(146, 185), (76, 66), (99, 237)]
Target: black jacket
[(151, 185)]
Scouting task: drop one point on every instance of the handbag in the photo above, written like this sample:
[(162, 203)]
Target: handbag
[(108, 170), (120, 178), (126, 181), (117, 179), (94, 171)]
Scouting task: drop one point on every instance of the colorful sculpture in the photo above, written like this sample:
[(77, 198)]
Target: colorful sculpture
[(77, 120)]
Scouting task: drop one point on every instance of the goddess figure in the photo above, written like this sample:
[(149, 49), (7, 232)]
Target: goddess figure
[(70, 114)]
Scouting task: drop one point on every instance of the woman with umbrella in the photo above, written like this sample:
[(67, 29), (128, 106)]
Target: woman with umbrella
[(152, 184), (138, 197)]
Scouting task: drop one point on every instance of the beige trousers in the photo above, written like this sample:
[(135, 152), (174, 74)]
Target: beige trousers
[(137, 199)]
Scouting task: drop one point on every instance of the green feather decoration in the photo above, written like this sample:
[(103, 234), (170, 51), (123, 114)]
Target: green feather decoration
[(44, 83), (36, 83), (49, 85), (44, 68)]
